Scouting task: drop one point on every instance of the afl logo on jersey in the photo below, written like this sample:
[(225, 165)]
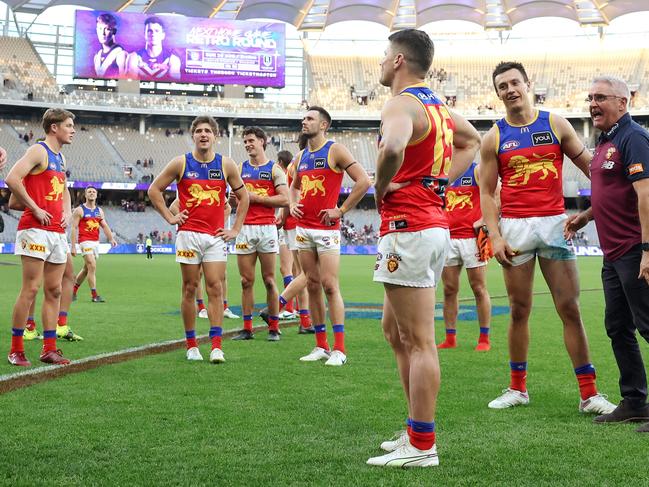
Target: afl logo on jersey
[(541, 138), (509, 145), (214, 174), (192, 175)]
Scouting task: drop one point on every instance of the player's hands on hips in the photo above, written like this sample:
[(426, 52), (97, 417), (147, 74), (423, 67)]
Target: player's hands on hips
[(296, 210), (227, 234), (179, 218), (43, 216), (330, 216), (573, 223), (3, 158), (502, 251), (644, 267)]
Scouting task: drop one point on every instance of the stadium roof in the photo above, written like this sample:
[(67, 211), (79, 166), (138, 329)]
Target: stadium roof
[(395, 14)]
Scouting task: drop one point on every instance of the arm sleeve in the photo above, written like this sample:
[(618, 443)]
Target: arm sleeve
[(635, 155)]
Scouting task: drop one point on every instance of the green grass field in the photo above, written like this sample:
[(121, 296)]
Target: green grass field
[(265, 418)]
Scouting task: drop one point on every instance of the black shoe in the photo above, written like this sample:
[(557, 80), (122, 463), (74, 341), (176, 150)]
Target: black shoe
[(306, 331), (624, 413), (644, 428), (273, 336), (244, 335), (98, 299), (265, 315)]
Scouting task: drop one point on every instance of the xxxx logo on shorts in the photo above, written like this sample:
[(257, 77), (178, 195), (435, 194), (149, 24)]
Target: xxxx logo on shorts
[(37, 247), (300, 238), (393, 261), (190, 254), (241, 246)]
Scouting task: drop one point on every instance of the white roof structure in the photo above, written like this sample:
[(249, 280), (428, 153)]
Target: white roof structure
[(396, 14)]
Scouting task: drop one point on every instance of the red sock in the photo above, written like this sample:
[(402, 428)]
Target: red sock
[(49, 344), (305, 319), (587, 385), (93, 293), (17, 344), (76, 288), (225, 304), (450, 340), (321, 337), (191, 342), (290, 307), (247, 322), (63, 319), (339, 338), (420, 440), (31, 324), (216, 342), (483, 338), (273, 323), (518, 380), (201, 305)]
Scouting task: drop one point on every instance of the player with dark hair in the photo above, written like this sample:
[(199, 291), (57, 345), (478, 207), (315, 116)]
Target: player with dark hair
[(525, 150), (37, 181), (86, 221), (202, 237), (110, 60), (154, 62), (314, 203), (258, 240), (422, 146)]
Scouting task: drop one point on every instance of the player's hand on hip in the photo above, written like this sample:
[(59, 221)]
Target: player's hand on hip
[(392, 187), (330, 215), (42, 216), (502, 251), (644, 267), (179, 218), (296, 210), (227, 234)]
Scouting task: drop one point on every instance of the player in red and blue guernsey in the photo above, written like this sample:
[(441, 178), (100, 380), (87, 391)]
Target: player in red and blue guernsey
[(314, 203), (38, 182), (202, 237), (266, 185), (464, 218), (526, 151), (420, 138), (620, 207), (86, 221)]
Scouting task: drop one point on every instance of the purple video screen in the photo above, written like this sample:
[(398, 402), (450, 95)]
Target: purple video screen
[(173, 48)]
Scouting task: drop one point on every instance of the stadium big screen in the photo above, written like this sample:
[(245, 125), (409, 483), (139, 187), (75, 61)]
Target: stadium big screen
[(172, 48)]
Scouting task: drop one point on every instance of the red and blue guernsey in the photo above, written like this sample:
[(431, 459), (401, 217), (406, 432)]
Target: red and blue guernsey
[(202, 192), (463, 204), (320, 184), (290, 222), (420, 205), (46, 189), (530, 163), (89, 224), (259, 180)]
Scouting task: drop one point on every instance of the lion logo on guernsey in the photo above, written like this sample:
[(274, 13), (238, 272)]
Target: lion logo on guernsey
[(524, 168), (258, 190), (92, 225), (57, 189), (200, 194), (454, 199), (314, 185)]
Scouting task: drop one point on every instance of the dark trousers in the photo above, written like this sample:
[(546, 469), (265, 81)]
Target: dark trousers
[(149, 255), (627, 309)]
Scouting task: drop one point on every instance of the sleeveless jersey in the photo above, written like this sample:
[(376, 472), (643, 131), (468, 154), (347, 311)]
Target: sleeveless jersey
[(319, 186), (463, 204), (105, 62), (154, 67), (46, 189), (259, 180), (89, 224), (291, 222), (420, 205), (530, 161), (202, 192)]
